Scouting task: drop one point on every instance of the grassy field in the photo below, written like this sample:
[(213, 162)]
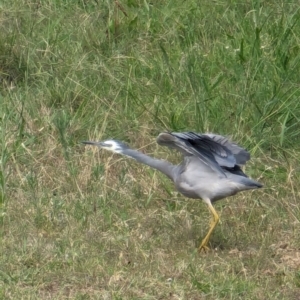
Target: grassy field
[(79, 223)]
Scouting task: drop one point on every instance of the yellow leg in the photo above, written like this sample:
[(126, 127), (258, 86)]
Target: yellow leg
[(215, 220)]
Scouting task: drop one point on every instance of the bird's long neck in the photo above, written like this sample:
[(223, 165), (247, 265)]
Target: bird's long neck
[(161, 165)]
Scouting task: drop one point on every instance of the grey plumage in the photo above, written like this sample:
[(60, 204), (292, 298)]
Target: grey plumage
[(210, 170)]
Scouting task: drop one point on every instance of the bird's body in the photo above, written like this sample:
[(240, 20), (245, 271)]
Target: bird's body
[(210, 169), (194, 184)]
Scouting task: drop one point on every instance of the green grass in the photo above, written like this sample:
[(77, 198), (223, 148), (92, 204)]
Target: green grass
[(79, 223)]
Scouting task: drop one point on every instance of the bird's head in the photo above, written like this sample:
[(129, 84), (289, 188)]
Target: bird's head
[(111, 145)]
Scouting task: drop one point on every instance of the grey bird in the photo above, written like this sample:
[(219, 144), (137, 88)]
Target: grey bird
[(210, 170)]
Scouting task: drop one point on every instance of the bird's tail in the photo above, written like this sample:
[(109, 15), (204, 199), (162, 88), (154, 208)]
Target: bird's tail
[(252, 184)]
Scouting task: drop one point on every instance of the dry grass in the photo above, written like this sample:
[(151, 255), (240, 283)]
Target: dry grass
[(124, 234)]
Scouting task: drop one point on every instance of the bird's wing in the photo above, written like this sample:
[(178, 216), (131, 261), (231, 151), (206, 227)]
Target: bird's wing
[(214, 150), (240, 154), (185, 143)]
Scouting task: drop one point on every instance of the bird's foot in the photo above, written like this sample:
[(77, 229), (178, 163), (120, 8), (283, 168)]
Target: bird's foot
[(203, 247)]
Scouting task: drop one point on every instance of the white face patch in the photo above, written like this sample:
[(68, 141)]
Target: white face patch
[(112, 145)]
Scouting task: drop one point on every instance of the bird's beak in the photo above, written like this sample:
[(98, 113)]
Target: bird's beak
[(99, 144)]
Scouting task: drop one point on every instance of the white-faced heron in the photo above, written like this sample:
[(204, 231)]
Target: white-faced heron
[(210, 169)]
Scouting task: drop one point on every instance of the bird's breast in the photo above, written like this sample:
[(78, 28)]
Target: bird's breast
[(206, 189), (187, 190)]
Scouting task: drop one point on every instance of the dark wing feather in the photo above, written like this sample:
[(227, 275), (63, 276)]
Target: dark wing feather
[(236, 170), (184, 142), (240, 154), (214, 150), (208, 146)]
